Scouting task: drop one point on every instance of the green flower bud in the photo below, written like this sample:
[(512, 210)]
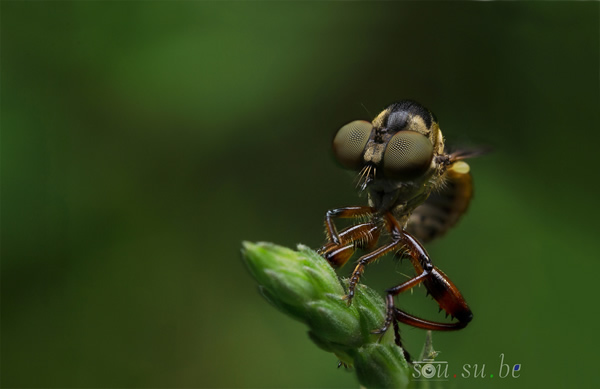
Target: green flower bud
[(303, 285), (375, 361)]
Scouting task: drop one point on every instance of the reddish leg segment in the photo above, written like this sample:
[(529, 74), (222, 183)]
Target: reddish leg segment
[(441, 288), (365, 235), (345, 212)]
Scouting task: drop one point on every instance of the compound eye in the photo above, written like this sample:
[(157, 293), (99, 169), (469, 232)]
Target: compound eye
[(407, 155), (350, 141)]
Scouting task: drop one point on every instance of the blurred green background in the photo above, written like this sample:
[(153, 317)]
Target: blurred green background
[(143, 141)]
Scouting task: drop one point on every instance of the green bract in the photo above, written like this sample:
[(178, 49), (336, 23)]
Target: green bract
[(303, 285)]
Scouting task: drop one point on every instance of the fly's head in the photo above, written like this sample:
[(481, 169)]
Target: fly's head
[(399, 156)]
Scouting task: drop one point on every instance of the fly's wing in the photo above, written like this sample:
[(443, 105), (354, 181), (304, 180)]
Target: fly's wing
[(443, 208)]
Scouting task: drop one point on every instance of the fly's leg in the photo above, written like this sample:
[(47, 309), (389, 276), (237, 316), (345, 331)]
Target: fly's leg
[(396, 233), (341, 247), (391, 308), (442, 290), (398, 341), (345, 212), (449, 299), (363, 236), (437, 284), (364, 261)]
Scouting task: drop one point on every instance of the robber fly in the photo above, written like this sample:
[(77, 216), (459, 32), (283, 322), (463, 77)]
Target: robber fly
[(416, 192)]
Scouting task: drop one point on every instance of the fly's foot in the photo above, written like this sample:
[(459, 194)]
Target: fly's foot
[(389, 317), (352, 283), (348, 298), (381, 331), (351, 286), (335, 239)]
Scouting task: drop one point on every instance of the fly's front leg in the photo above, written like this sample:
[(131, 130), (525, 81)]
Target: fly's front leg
[(363, 236), (345, 212)]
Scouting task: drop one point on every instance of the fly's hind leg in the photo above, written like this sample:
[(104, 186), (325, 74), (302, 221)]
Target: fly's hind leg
[(437, 284)]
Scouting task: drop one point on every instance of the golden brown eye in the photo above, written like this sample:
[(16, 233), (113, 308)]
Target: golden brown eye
[(407, 155), (350, 141)]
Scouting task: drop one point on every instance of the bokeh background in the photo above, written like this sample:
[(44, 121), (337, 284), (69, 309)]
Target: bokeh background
[(142, 142)]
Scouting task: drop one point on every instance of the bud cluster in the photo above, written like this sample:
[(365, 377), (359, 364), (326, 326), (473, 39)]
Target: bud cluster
[(303, 285)]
